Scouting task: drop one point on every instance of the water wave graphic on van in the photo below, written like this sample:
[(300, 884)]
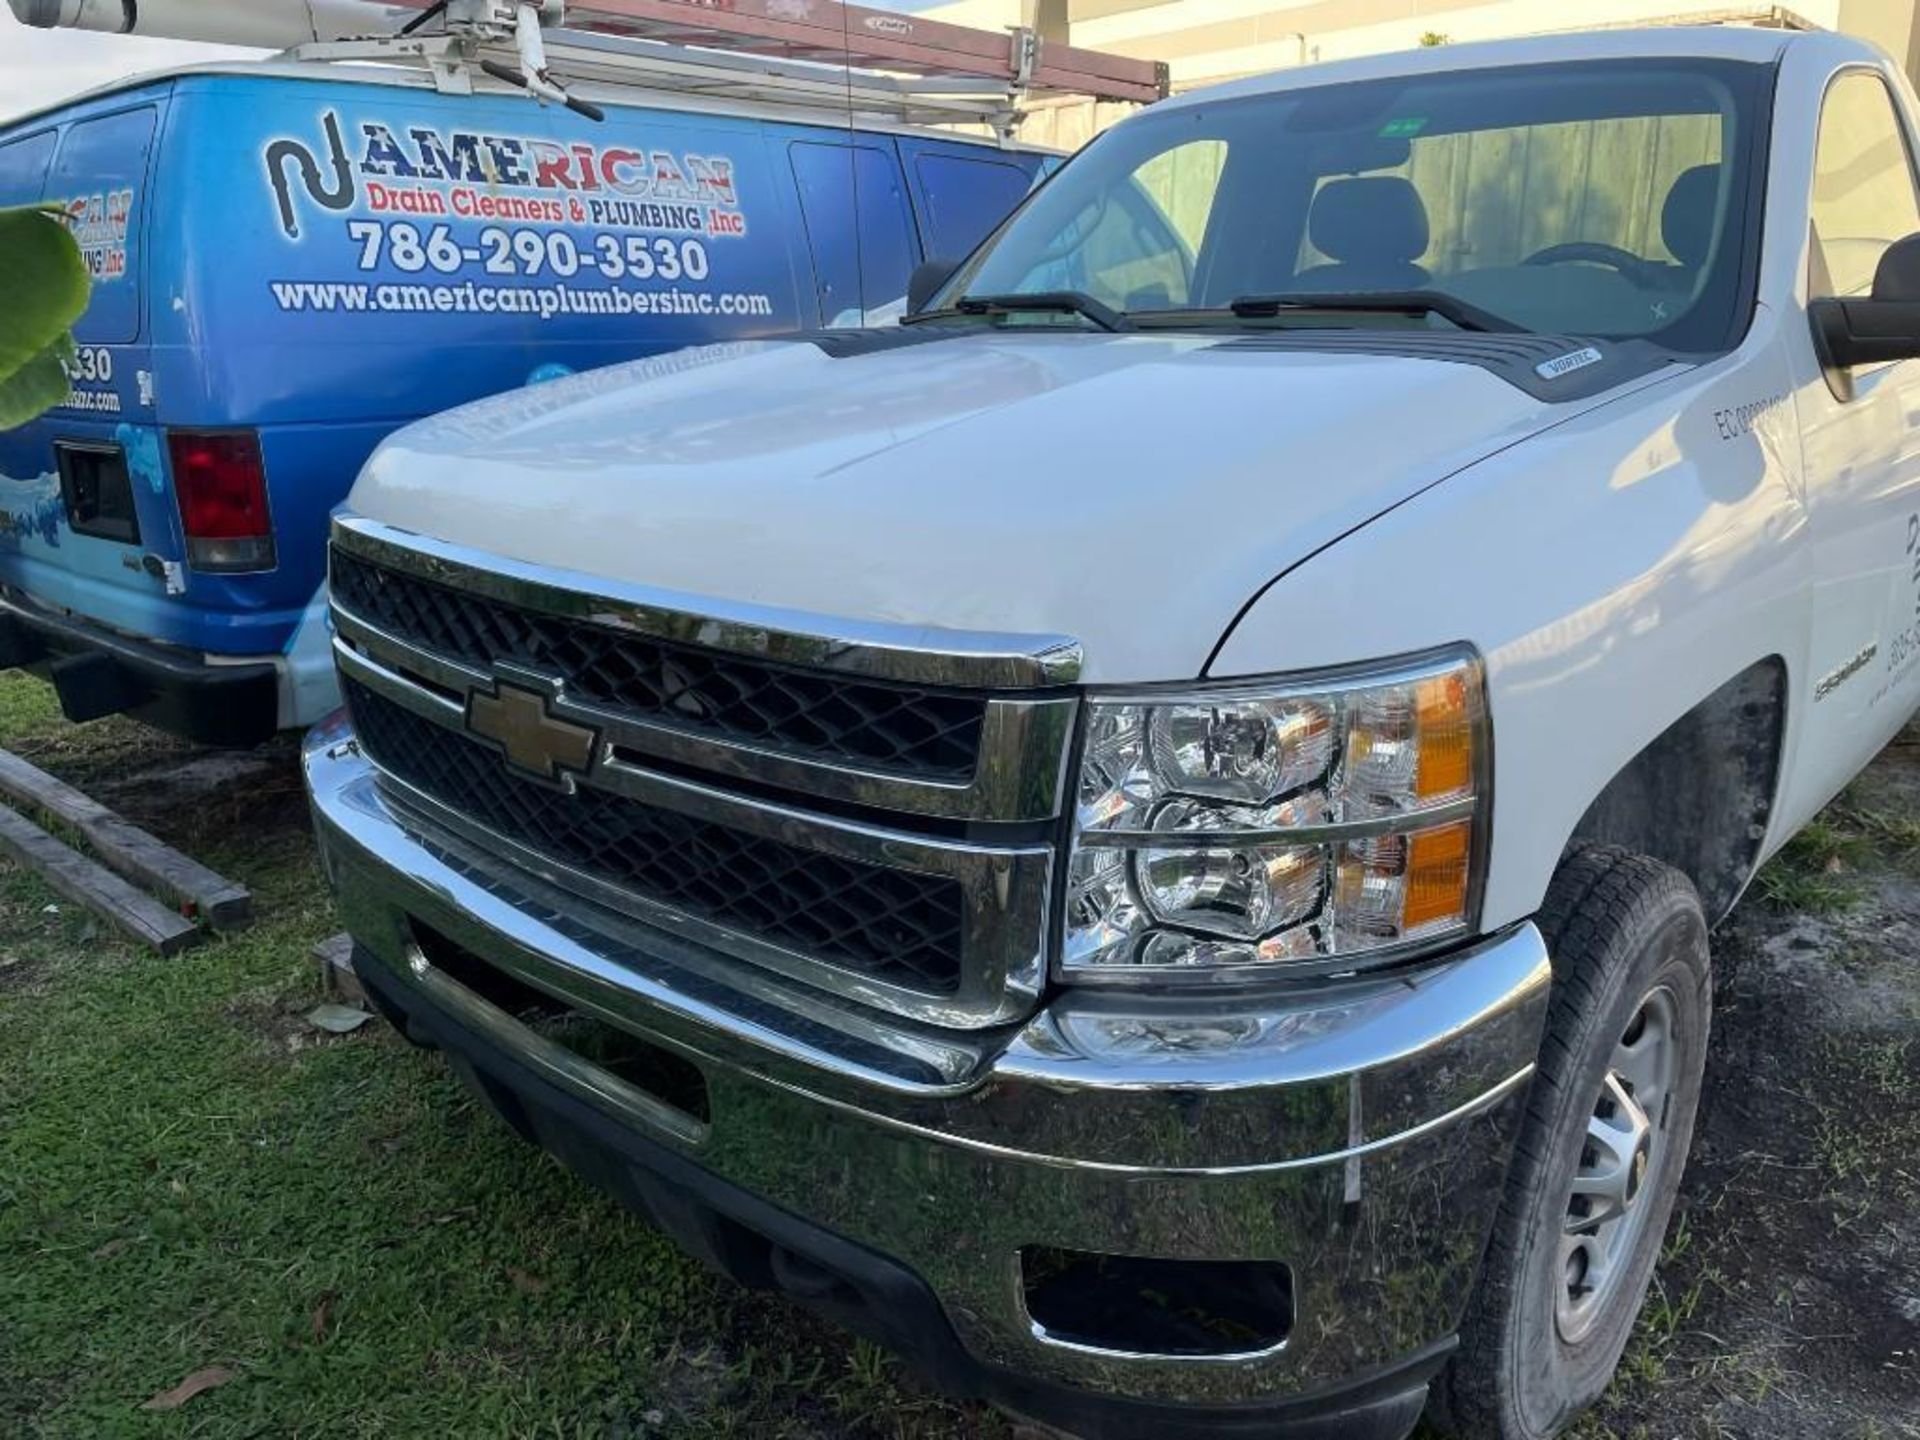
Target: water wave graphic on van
[(40, 554), (31, 511)]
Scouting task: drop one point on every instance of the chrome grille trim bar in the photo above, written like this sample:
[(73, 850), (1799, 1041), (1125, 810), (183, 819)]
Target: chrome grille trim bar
[(397, 687), (1002, 964), (1019, 774), (916, 654)]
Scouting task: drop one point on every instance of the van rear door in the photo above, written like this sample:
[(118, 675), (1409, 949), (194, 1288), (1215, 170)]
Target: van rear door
[(83, 502), (332, 259)]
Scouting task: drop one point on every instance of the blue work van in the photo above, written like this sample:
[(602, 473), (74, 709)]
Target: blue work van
[(290, 260)]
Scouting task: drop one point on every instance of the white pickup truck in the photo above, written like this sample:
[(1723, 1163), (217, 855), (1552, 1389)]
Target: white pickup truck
[(1148, 835)]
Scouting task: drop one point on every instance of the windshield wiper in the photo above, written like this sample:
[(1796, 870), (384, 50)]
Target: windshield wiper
[(1042, 302), (1375, 302)]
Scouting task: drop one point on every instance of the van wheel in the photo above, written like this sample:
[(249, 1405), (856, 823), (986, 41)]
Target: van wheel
[(1600, 1152)]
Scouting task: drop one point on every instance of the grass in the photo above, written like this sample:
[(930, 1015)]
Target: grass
[(191, 1176), (1815, 872)]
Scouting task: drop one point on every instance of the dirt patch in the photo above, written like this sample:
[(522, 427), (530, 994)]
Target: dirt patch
[(225, 802), (691, 1382), (196, 776), (222, 800), (278, 1017), (1788, 1305)]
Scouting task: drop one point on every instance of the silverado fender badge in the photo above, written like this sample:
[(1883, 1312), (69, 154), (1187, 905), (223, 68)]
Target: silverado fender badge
[(1566, 364), (1836, 678)]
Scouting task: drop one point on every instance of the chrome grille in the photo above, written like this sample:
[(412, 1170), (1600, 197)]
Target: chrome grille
[(717, 796), (897, 728), (894, 925)]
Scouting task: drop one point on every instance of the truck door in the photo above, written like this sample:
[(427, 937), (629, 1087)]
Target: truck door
[(1861, 433), (860, 230)]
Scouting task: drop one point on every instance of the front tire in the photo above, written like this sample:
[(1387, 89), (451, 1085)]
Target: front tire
[(1600, 1154)]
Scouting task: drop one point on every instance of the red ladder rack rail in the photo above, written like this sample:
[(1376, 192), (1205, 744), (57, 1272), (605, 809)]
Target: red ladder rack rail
[(826, 31)]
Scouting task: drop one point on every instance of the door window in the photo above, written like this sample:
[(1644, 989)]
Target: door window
[(859, 229), (1863, 186)]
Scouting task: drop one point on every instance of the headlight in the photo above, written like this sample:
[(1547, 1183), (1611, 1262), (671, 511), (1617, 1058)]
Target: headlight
[(1315, 823)]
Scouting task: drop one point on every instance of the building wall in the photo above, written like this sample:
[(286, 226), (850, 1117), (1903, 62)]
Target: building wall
[(1890, 24)]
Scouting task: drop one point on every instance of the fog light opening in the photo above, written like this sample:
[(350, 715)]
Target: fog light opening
[(659, 1072), (491, 984), (1131, 1305), (656, 1070)]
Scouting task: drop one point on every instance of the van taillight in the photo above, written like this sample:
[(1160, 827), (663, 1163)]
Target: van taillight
[(221, 484)]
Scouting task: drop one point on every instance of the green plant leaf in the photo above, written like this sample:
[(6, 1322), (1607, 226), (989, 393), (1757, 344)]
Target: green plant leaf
[(46, 285), (37, 386), (43, 292)]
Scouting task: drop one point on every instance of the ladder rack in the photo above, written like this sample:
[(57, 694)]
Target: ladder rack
[(809, 52), (613, 63), (879, 40)]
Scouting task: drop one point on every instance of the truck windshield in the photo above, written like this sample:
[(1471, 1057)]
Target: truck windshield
[(1613, 199)]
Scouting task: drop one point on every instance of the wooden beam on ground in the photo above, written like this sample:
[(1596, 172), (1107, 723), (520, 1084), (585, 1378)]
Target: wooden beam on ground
[(89, 883), (128, 849), (337, 979)]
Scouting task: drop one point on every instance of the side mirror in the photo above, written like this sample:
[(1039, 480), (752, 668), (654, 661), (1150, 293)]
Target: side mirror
[(1884, 326), (926, 281)]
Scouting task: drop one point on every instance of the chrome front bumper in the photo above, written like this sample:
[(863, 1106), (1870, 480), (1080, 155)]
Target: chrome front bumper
[(1358, 1133)]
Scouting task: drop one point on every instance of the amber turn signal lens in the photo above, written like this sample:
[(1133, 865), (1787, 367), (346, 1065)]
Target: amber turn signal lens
[(1438, 873), (1444, 721)]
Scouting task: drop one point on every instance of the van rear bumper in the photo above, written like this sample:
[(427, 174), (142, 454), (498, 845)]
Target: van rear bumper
[(97, 672)]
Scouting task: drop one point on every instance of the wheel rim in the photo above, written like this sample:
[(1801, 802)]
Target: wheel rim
[(1624, 1153)]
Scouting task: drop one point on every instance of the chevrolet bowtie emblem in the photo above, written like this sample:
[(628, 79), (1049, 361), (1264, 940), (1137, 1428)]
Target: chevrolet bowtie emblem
[(522, 724)]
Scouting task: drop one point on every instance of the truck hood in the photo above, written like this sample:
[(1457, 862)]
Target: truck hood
[(1130, 491)]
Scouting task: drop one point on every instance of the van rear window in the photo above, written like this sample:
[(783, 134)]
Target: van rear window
[(23, 168), (860, 229), (98, 181), (966, 198)]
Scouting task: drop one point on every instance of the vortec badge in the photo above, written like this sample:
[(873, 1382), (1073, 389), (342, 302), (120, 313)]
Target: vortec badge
[(527, 733), (1566, 364)]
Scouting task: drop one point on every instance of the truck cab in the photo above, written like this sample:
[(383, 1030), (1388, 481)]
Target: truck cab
[(291, 259), (1155, 827)]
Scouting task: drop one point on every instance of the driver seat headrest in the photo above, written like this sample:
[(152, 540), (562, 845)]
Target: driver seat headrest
[(1686, 220), (1369, 220)]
